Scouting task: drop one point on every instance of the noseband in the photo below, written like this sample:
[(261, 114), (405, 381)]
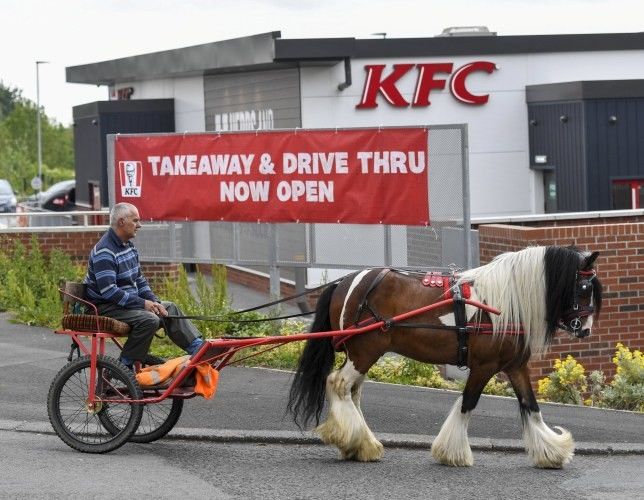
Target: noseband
[(571, 319)]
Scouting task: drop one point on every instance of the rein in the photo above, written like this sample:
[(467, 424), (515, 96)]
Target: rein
[(217, 319)]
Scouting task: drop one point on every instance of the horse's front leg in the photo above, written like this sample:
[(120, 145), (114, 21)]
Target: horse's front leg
[(546, 448), (345, 426), (452, 446)]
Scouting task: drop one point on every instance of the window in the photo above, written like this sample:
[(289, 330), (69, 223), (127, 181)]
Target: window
[(550, 191), (627, 194)]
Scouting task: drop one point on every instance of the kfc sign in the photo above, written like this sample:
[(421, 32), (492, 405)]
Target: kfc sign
[(131, 177), (428, 78)]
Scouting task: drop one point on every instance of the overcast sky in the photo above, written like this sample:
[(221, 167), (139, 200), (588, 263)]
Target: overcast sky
[(72, 32)]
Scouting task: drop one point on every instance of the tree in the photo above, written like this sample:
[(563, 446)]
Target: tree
[(8, 98), (18, 144)]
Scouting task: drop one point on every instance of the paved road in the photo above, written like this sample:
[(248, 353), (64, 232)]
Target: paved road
[(36, 466)]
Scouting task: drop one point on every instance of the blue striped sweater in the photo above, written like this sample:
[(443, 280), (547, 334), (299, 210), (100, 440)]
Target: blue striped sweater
[(114, 275)]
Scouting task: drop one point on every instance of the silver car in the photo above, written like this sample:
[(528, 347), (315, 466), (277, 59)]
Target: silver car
[(7, 197)]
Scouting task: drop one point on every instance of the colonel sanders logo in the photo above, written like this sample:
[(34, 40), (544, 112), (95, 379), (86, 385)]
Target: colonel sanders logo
[(131, 175)]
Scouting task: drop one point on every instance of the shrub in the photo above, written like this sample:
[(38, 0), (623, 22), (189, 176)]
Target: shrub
[(566, 383), (596, 381), (395, 369), (497, 387), (209, 298), (284, 356), (626, 390), (29, 283)]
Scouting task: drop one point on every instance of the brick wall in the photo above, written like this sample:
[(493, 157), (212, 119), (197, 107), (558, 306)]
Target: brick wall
[(78, 243), (620, 267)]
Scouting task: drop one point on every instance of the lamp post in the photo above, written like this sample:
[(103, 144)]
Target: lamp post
[(38, 63)]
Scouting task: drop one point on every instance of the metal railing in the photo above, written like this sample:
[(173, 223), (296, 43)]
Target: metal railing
[(39, 220)]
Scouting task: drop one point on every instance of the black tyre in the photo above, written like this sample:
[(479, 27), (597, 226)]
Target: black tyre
[(76, 422), (158, 419), (151, 360)]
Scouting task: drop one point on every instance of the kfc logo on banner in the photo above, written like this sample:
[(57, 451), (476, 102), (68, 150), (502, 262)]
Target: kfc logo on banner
[(131, 174), (426, 81)]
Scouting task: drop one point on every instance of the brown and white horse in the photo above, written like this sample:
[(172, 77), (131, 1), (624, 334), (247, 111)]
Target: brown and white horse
[(537, 290)]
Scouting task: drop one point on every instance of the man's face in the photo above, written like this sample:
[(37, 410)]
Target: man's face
[(130, 225)]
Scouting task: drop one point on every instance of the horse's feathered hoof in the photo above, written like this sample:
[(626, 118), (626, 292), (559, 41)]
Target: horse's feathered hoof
[(443, 455), (547, 449), (371, 451)]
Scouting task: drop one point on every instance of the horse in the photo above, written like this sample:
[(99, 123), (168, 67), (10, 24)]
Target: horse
[(538, 290)]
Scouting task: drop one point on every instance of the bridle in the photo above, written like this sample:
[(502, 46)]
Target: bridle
[(571, 319)]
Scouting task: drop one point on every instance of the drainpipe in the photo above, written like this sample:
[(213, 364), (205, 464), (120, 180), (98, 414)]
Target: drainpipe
[(347, 74)]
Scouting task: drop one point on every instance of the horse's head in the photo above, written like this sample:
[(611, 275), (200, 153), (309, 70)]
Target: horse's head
[(583, 299)]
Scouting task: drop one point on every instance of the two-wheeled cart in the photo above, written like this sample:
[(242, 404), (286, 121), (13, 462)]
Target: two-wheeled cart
[(96, 405)]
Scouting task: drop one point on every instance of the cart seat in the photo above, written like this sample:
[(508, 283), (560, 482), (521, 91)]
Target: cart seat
[(90, 323), (74, 318)]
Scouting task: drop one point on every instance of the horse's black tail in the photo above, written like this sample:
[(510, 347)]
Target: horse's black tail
[(306, 397)]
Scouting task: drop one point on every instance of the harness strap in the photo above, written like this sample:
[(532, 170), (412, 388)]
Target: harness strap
[(337, 342), (472, 328), (365, 296), (462, 333)]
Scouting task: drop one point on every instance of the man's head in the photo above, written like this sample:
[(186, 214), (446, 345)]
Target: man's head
[(124, 219)]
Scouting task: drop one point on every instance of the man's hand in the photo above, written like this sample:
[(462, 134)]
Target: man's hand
[(156, 308)]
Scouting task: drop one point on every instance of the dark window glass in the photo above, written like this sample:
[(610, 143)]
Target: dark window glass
[(627, 194), (550, 191), (621, 194)]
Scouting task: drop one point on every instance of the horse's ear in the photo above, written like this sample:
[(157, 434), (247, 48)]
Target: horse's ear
[(590, 260)]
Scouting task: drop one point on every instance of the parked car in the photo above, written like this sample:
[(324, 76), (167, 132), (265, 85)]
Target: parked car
[(60, 197), (8, 199)]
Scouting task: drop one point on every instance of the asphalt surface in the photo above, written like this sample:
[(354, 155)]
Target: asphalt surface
[(250, 404)]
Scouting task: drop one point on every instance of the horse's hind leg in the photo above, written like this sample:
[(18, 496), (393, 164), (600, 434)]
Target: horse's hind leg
[(371, 448), (546, 448), (452, 446), (345, 426)]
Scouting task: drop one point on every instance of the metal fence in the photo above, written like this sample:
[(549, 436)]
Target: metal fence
[(448, 240), (27, 217)]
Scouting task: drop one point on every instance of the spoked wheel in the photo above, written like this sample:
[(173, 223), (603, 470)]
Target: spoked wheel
[(158, 418), (77, 421)]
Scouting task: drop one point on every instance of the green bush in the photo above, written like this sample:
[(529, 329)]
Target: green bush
[(284, 356), (209, 298), (568, 383), (204, 300), (29, 283), (626, 390), (400, 370), (497, 387)]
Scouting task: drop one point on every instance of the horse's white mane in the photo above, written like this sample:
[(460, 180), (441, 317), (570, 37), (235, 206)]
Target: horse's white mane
[(515, 283)]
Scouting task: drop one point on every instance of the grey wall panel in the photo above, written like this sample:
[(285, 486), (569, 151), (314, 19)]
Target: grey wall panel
[(615, 149), (256, 100), (87, 157), (92, 123), (558, 133)]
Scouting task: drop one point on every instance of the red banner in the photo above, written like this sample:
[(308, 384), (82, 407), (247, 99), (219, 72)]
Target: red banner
[(362, 176)]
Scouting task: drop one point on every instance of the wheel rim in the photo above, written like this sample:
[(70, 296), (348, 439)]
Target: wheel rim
[(154, 416), (79, 418), (157, 420)]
